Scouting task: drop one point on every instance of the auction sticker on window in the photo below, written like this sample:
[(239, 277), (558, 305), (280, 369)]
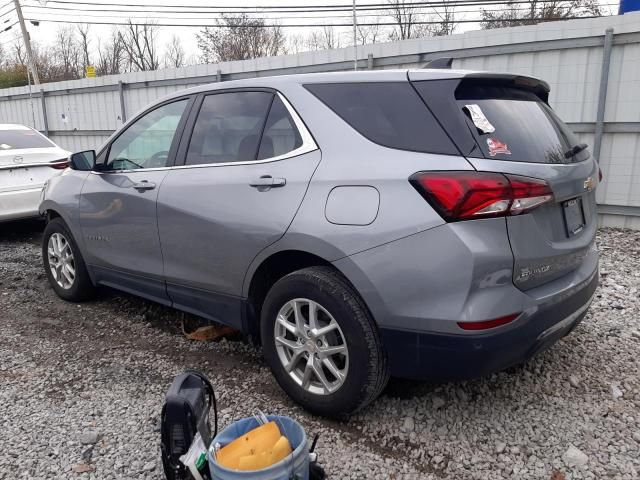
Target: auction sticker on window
[(497, 147), (478, 118)]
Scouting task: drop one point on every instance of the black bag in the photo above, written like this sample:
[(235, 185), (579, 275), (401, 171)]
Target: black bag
[(185, 413)]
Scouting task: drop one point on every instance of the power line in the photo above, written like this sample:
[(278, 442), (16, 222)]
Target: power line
[(84, 6), (137, 12), (316, 25), (153, 17), (262, 7)]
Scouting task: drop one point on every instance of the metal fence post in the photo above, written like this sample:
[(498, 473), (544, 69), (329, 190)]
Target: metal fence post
[(123, 113), (370, 61), (219, 75), (602, 95), (44, 113)]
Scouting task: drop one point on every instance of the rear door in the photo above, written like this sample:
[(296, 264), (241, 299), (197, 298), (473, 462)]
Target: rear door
[(507, 127), (246, 168)]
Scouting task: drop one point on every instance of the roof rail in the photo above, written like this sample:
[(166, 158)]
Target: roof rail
[(442, 62)]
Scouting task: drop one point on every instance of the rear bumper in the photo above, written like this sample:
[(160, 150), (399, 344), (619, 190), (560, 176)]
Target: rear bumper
[(445, 357), (20, 203)]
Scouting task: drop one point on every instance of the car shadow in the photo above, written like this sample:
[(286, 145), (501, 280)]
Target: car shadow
[(29, 230)]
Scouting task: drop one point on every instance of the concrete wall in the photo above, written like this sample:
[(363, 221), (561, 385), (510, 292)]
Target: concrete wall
[(81, 114)]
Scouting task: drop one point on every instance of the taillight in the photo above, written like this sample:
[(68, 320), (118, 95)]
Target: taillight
[(59, 164), (487, 324), (467, 195)]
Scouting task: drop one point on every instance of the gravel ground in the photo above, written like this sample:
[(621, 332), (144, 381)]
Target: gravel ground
[(81, 387)]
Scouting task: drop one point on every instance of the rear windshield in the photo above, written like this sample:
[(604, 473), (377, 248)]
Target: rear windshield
[(17, 139), (514, 124), (391, 114)]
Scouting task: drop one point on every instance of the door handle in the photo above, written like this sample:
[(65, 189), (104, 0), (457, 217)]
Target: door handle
[(265, 182), (144, 185)]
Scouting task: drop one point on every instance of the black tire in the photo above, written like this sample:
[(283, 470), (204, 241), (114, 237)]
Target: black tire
[(82, 287), (367, 372)]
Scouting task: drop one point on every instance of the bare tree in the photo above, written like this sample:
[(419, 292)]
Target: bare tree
[(538, 11), (139, 43), (174, 53), (46, 60), (66, 55), (447, 17), (4, 57), (19, 54), (83, 34), (296, 43), (405, 16), (324, 39), (369, 33), (239, 37), (111, 54)]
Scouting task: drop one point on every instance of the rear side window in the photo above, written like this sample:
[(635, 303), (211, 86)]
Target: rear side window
[(17, 139), (228, 127), (514, 124), (387, 113)]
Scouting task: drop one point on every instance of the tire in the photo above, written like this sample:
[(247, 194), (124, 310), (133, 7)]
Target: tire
[(363, 366), (80, 288)]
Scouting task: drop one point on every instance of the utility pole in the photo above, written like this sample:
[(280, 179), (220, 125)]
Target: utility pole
[(355, 38), (27, 43)]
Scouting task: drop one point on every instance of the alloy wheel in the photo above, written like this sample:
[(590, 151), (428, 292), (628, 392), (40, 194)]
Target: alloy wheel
[(311, 346), (61, 261)]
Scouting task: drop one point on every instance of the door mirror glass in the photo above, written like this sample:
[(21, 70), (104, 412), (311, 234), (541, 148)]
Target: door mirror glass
[(83, 161)]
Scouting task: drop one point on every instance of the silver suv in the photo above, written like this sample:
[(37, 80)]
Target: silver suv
[(431, 224)]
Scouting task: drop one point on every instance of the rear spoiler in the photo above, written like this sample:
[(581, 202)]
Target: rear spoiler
[(442, 62), (535, 85)]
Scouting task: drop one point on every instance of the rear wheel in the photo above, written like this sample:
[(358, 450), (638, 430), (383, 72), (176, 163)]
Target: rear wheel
[(321, 343), (63, 263)]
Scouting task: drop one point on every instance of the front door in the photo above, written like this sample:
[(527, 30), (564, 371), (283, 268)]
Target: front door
[(118, 203), (246, 169)]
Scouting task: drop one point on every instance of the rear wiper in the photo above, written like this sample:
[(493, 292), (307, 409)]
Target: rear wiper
[(575, 150)]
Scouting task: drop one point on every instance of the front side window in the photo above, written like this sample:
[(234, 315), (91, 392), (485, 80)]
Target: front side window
[(229, 127), (147, 141)]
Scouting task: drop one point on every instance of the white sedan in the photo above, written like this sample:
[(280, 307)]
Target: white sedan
[(27, 160)]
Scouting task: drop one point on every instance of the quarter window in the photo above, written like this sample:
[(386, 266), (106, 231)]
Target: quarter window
[(147, 141), (280, 133), (390, 114), (229, 127)]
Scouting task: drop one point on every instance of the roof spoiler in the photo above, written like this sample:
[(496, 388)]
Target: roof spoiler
[(442, 62), (535, 85)]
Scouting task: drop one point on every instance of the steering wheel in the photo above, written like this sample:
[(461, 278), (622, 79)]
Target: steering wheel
[(158, 159), (117, 161)]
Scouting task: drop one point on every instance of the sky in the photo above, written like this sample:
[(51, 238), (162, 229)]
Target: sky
[(58, 11)]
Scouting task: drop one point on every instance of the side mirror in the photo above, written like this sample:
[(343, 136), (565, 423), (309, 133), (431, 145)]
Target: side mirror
[(83, 161)]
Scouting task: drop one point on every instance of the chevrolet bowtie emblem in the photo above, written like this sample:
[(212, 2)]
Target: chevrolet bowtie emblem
[(588, 184)]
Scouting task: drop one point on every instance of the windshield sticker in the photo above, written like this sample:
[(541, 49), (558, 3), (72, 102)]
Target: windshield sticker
[(479, 120), (497, 147)]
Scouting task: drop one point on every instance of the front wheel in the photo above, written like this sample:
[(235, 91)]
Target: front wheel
[(321, 342), (63, 263)]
